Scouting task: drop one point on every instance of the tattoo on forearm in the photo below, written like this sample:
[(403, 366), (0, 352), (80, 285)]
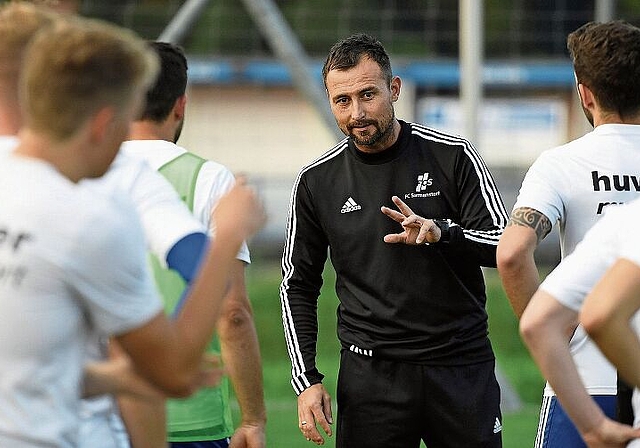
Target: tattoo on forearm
[(530, 217)]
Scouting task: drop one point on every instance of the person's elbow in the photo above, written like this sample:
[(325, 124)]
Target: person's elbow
[(596, 323), (166, 354), (510, 257), (236, 316), (516, 247), (532, 328), (183, 390), (175, 373), (182, 383)]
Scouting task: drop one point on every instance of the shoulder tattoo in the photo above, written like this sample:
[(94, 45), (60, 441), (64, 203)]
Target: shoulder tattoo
[(530, 217)]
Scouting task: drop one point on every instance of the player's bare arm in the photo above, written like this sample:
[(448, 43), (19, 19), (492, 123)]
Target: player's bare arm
[(607, 315), (530, 217), (516, 263), (241, 354), (546, 327)]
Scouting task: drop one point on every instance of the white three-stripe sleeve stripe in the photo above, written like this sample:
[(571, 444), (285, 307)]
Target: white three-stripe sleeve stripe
[(487, 185), (293, 347), (483, 236), (488, 188)]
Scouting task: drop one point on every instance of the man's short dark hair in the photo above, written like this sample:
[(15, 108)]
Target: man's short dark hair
[(171, 83), (606, 59), (348, 52)]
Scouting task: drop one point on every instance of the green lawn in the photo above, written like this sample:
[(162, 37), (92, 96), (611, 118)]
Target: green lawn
[(263, 280)]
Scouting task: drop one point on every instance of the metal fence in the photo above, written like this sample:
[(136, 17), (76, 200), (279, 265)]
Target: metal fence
[(514, 29)]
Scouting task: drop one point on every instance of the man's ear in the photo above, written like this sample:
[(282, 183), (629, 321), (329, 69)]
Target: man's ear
[(396, 84), (586, 96), (180, 107)]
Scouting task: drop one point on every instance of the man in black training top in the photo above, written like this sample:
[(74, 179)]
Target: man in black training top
[(416, 362)]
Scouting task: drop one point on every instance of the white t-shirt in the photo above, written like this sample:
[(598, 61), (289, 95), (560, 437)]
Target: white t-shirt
[(611, 238), (7, 143), (213, 181), (165, 218), (572, 185), (72, 264)]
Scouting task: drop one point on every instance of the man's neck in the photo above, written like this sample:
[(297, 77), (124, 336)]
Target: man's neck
[(10, 122), (150, 130), (614, 118), (62, 157)]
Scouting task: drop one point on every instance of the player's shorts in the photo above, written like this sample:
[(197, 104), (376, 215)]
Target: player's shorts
[(555, 428), (223, 443), (624, 409), (385, 403)]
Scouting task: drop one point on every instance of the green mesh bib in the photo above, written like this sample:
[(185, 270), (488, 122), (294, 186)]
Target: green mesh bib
[(206, 414)]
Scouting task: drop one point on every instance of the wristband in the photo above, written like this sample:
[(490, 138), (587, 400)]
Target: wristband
[(445, 234)]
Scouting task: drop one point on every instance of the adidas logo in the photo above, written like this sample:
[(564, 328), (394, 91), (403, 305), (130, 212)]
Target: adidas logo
[(497, 426), (350, 206)]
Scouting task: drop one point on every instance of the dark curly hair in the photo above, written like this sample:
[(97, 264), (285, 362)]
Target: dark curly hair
[(606, 59)]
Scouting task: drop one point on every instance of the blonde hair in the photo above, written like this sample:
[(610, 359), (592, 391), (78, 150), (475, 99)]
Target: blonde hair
[(77, 67), (19, 22)]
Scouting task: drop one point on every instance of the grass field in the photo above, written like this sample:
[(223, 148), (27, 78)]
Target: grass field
[(263, 280)]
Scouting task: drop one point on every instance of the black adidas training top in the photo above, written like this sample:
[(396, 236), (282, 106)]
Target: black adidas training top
[(422, 304)]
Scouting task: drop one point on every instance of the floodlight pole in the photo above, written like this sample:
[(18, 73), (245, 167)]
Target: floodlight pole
[(471, 56), (286, 46), (471, 20), (182, 22), (604, 10)]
